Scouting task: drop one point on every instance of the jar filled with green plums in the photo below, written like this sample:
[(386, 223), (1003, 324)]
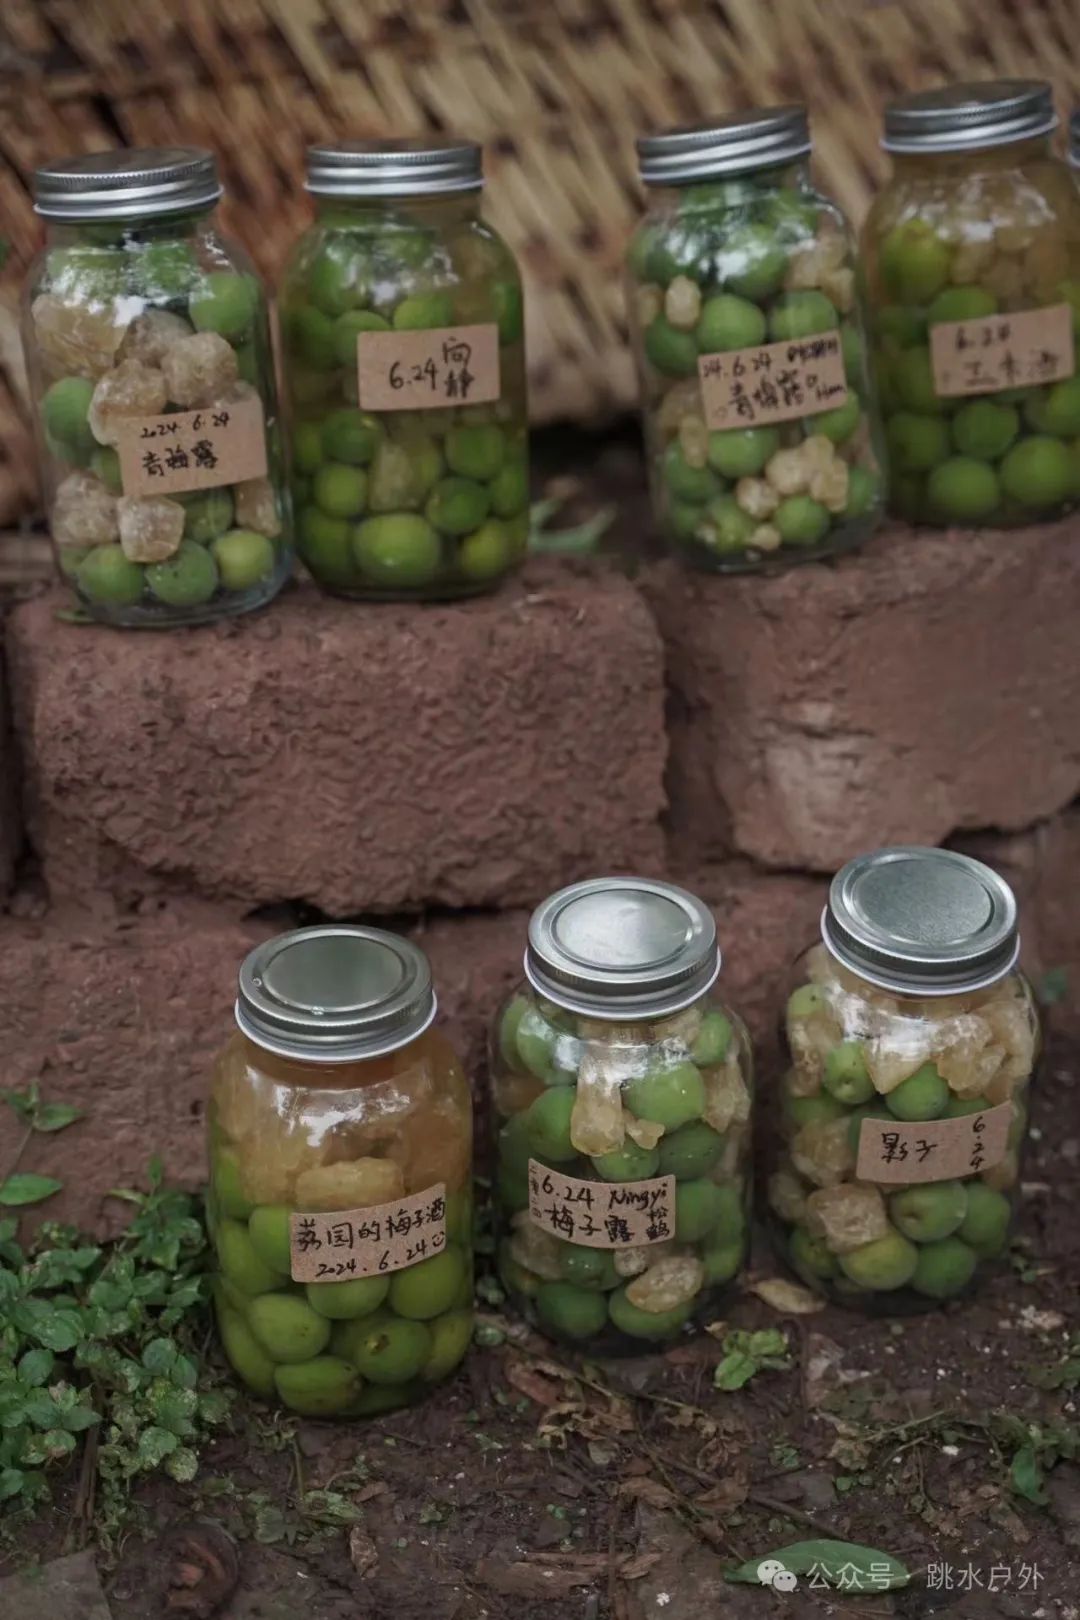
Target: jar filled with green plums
[(972, 260), (404, 349), (744, 304), (340, 1199), (622, 1090)]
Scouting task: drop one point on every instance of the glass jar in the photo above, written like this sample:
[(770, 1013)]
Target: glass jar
[(622, 1095), (895, 1137), (148, 348), (405, 373), (758, 408), (340, 1201), (972, 261)]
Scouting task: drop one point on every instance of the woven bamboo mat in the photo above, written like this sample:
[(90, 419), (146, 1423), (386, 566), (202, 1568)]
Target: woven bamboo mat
[(557, 89)]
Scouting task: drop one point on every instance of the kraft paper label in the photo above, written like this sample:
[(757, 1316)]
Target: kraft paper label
[(934, 1149), (1017, 350), (166, 455), (351, 1243), (775, 382), (601, 1214), (411, 371)]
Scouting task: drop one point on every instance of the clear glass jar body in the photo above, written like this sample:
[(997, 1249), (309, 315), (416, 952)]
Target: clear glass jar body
[(963, 237), (731, 265), (858, 1052), (144, 318), (427, 502), (289, 1137), (609, 1103)]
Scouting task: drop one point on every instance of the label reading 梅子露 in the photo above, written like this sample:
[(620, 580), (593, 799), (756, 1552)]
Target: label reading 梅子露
[(933, 1149), (348, 1243), (775, 382), (432, 370), (1019, 349), (601, 1214), (188, 450)]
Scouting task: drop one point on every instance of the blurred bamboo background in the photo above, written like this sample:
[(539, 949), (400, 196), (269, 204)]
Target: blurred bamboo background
[(556, 89)]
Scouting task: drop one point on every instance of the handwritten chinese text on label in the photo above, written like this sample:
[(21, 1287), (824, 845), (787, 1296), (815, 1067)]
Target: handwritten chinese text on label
[(1014, 350), (409, 371), (775, 382), (348, 1243), (167, 455), (934, 1149), (601, 1214)]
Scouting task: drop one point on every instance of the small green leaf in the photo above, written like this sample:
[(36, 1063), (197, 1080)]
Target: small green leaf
[(35, 1368), (11, 1482), (26, 1188), (55, 1116), (1026, 1475), (159, 1356), (58, 1443), (845, 1565), (154, 1446), (182, 1465), (734, 1370), (269, 1523)]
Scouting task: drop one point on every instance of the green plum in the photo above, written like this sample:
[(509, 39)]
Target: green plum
[(627, 1163), (548, 1119), (385, 1348), (287, 1328), (670, 1096), (846, 1076), (944, 1268), (985, 1227), (689, 1152), (923, 1095), (325, 1386), (929, 1211), (430, 1287), (268, 1229), (884, 1263), (639, 1324), (451, 1335), (699, 1206), (570, 1312), (342, 1301)]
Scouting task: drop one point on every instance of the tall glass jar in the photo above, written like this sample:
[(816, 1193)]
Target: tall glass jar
[(758, 408), (405, 373), (622, 1096), (340, 1199), (895, 1134), (148, 347), (972, 261)]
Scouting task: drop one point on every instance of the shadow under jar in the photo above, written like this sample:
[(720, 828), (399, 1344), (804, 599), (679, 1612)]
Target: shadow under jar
[(340, 1201), (148, 348), (758, 409), (894, 1142), (403, 329), (972, 260), (622, 1097)]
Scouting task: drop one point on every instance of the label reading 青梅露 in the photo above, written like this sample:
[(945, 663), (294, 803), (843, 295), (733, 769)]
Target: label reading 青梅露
[(775, 382), (348, 1243), (190, 450), (601, 1214), (1021, 349), (428, 370), (933, 1149)]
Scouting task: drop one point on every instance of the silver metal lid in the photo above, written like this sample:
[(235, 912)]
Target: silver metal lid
[(622, 948), (965, 117), (335, 994), (406, 168), (928, 922), (737, 145), (128, 183)]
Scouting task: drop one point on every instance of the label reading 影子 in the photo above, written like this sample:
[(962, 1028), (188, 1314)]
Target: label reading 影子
[(601, 1214), (348, 1243), (933, 1149), (775, 382), (168, 455), (412, 371), (1016, 350)]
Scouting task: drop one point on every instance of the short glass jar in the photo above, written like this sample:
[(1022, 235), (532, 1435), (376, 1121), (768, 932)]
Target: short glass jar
[(622, 1091), (895, 1137), (340, 1200), (758, 407), (972, 260), (148, 347), (404, 346)]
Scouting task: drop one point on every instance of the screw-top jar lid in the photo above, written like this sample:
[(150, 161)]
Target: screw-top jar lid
[(928, 922), (966, 117), (728, 146), (335, 994), (622, 948), (127, 183), (405, 168)]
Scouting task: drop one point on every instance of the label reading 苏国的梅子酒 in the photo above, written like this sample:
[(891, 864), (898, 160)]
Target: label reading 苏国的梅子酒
[(190, 450), (933, 1149), (1019, 349), (348, 1243), (601, 1214), (775, 382), (428, 370)]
